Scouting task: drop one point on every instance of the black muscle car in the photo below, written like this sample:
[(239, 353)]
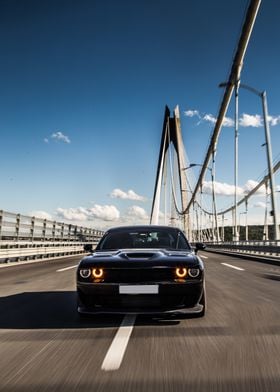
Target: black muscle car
[(142, 269)]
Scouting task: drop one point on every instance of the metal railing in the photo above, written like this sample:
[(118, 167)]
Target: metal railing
[(24, 238), (261, 248)]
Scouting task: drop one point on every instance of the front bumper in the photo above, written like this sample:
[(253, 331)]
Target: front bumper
[(172, 298), (171, 312)]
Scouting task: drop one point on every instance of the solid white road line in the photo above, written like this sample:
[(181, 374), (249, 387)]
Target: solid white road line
[(67, 268), (115, 354), (233, 266), (204, 257)]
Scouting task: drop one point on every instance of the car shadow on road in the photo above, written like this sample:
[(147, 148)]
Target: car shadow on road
[(47, 309), (57, 309)]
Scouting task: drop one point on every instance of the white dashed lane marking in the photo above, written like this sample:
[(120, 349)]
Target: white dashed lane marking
[(66, 269), (203, 257), (115, 354), (233, 266)]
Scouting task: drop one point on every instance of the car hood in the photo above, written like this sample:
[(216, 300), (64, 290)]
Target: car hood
[(141, 258)]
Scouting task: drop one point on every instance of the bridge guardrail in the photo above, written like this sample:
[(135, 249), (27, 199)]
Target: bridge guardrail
[(260, 247), (24, 237), (17, 251), (265, 251)]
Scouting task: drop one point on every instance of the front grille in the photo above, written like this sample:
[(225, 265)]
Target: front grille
[(135, 275)]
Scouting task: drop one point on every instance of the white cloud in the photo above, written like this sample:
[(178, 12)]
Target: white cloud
[(229, 190), (46, 140), (221, 188), (251, 184), (210, 118), (129, 195), (248, 120), (228, 122), (41, 215), (59, 136), (274, 120), (73, 214), (137, 212), (192, 113), (106, 213)]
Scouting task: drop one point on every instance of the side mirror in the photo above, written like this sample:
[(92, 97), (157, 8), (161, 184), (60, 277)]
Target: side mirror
[(88, 248), (199, 246)]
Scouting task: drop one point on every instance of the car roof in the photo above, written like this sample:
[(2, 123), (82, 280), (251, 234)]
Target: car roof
[(142, 227)]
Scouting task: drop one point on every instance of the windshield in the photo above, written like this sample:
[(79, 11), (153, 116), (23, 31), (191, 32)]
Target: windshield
[(134, 239)]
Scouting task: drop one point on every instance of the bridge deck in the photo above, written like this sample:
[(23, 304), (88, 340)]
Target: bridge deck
[(234, 348)]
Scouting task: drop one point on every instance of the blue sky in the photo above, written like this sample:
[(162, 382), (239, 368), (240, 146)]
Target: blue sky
[(83, 90)]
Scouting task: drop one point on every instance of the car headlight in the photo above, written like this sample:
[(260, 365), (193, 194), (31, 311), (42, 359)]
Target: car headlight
[(181, 272), (97, 273), (85, 273), (194, 272)]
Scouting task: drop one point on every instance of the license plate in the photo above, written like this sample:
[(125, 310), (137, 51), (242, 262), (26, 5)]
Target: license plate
[(139, 289)]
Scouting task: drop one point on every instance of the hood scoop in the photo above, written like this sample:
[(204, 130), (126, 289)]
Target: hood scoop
[(139, 255)]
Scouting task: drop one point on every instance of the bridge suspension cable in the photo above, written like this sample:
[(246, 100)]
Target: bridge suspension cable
[(232, 81), (189, 207)]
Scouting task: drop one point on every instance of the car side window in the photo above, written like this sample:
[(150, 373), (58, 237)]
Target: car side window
[(181, 242)]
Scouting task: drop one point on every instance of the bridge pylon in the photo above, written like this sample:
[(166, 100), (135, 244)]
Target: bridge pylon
[(171, 136)]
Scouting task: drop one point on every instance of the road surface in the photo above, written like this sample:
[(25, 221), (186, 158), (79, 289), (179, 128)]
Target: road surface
[(45, 347)]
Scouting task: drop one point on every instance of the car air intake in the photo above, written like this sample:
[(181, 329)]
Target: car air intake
[(139, 255)]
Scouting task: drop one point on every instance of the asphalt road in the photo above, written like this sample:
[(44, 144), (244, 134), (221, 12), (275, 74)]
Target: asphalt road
[(45, 347)]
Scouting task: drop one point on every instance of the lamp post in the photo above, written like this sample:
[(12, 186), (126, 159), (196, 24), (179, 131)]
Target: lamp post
[(262, 95), (212, 171), (246, 222), (236, 134), (273, 212)]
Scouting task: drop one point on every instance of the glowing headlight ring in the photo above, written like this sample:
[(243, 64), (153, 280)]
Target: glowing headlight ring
[(181, 272), (97, 273)]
